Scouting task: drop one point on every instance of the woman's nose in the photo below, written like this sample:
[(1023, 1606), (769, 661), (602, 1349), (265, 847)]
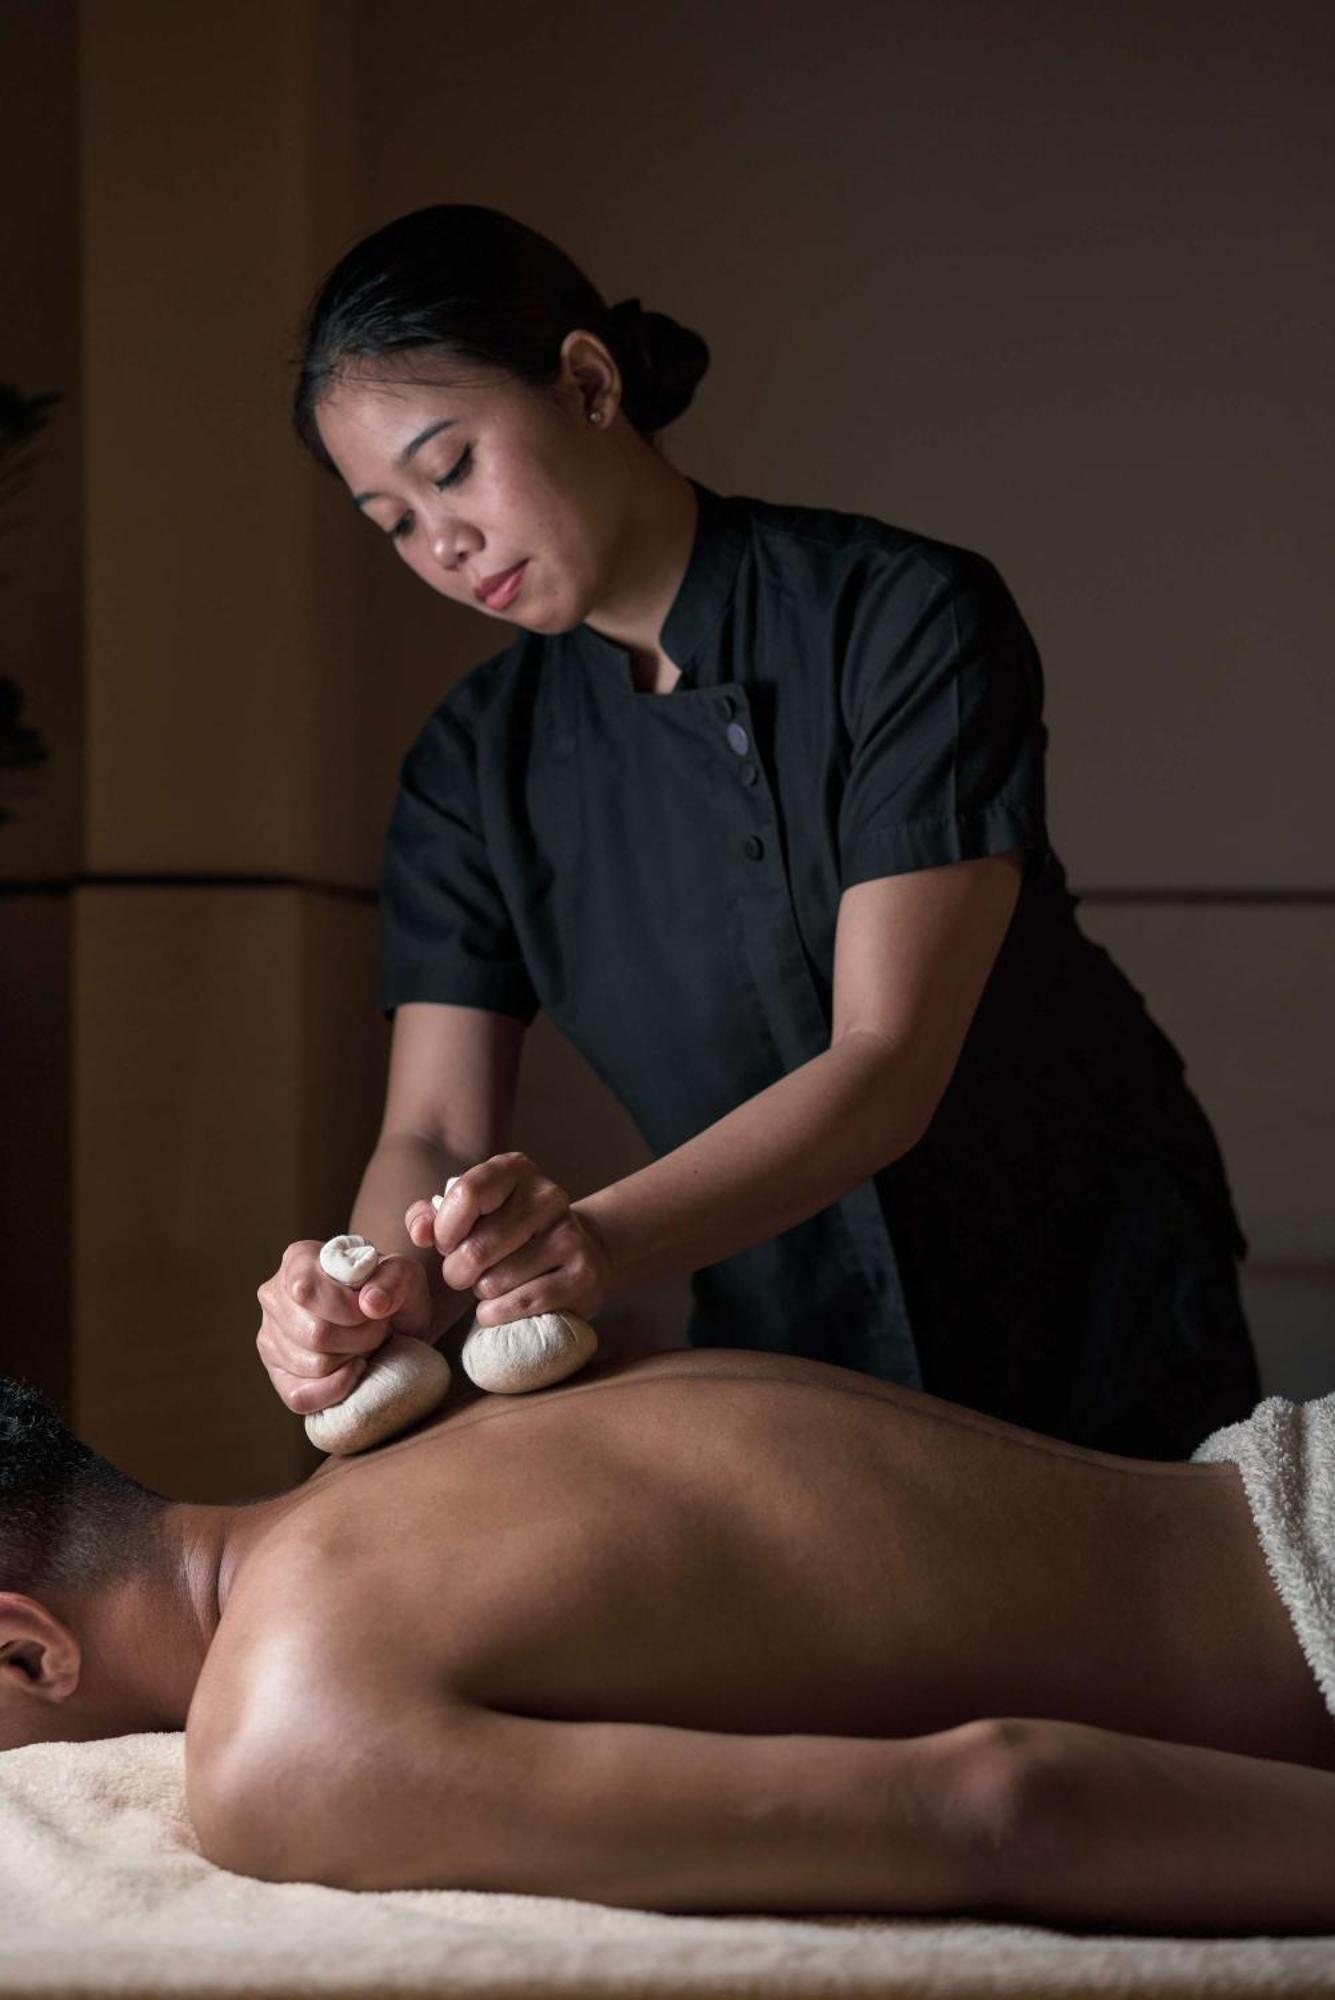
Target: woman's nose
[(446, 543)]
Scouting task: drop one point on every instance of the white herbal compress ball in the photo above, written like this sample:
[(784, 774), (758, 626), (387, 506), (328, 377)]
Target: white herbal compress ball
[(524, 1354), (404, 1380), (527, 1353), (350, 1259)]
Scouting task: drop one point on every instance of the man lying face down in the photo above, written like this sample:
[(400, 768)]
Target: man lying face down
[(709, 1631)]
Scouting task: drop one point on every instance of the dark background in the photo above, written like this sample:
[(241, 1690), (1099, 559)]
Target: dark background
[(1051, 280)]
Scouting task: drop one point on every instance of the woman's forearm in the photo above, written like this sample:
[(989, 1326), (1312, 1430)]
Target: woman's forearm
[(778, 1158), (403, 1169)]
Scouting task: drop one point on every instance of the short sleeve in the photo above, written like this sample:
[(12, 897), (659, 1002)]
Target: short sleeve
[(446, 934), (943, 698)]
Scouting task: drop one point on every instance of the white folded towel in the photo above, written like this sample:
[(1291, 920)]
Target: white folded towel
[(1286, 1453)]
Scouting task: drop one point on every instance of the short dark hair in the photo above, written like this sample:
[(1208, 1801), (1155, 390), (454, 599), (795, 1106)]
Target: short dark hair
[(67, 1516), (480, 287)]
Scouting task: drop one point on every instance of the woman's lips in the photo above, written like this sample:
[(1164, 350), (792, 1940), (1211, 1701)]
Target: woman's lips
[(503, 592)]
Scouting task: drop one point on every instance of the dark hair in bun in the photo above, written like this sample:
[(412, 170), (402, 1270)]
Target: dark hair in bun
[(661, 363), (484, 288)]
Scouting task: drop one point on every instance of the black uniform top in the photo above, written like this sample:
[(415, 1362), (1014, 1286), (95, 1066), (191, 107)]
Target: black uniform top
[(662, 873)]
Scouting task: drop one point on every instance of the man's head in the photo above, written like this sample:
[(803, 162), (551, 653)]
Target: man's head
[(72, 1529)]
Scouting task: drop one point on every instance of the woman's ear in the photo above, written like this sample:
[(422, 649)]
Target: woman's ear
[(38, 1652), (588, 364)]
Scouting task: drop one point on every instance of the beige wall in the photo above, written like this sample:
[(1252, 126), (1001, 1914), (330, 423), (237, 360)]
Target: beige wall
[(226, 1071), (218, 151), (192, 1072), (217, 1025)]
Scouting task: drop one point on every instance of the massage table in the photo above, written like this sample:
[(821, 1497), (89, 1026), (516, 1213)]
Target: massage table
[(103, 1892)]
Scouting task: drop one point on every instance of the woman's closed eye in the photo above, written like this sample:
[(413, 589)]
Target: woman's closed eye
[(459, 470)]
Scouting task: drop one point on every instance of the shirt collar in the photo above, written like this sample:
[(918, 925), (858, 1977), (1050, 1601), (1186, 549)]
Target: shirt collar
[(702, 595)]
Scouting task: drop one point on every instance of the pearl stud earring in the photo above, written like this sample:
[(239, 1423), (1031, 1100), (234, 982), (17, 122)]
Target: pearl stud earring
[(595, 416)]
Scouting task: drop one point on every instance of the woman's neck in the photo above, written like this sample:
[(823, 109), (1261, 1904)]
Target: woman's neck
[(652, 558)]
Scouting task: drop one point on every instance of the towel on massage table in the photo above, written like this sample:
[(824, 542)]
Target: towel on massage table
[(1286, 1454), (103, 1891)]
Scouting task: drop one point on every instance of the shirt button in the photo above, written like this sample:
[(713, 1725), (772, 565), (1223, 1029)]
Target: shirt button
[(753, 847), (748, 774), (738, 739), (724, 705)]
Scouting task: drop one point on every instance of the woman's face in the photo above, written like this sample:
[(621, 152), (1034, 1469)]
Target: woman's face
[(498, 494)]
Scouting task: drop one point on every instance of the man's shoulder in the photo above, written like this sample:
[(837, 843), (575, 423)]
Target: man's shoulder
[(303, 1692), (302, 1667), (293, 1594)]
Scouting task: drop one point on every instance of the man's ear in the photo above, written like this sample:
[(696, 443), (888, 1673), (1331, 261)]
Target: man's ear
[(38, 1652)]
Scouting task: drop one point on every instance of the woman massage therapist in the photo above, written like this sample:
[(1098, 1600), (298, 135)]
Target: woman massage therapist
[(752, 805)]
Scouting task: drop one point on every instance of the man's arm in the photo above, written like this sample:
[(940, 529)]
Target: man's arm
[(636, 1815), (323, 1746), (352, 1769), (369, 1779)]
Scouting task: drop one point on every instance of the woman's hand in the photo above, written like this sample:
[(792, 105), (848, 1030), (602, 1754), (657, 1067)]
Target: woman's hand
[(315, 1334), (509, 1232)]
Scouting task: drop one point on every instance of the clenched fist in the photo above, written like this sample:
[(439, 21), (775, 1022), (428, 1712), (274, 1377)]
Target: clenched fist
[(506, 1231), (315, 1334)]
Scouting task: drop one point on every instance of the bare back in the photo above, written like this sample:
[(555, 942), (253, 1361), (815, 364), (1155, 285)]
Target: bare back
[(744, 1543)]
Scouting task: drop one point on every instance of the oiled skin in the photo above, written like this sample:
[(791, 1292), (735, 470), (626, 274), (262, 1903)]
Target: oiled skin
[(743, 1543)]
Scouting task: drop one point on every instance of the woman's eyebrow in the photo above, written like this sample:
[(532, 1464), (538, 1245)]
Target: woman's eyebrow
[(413, 445)]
